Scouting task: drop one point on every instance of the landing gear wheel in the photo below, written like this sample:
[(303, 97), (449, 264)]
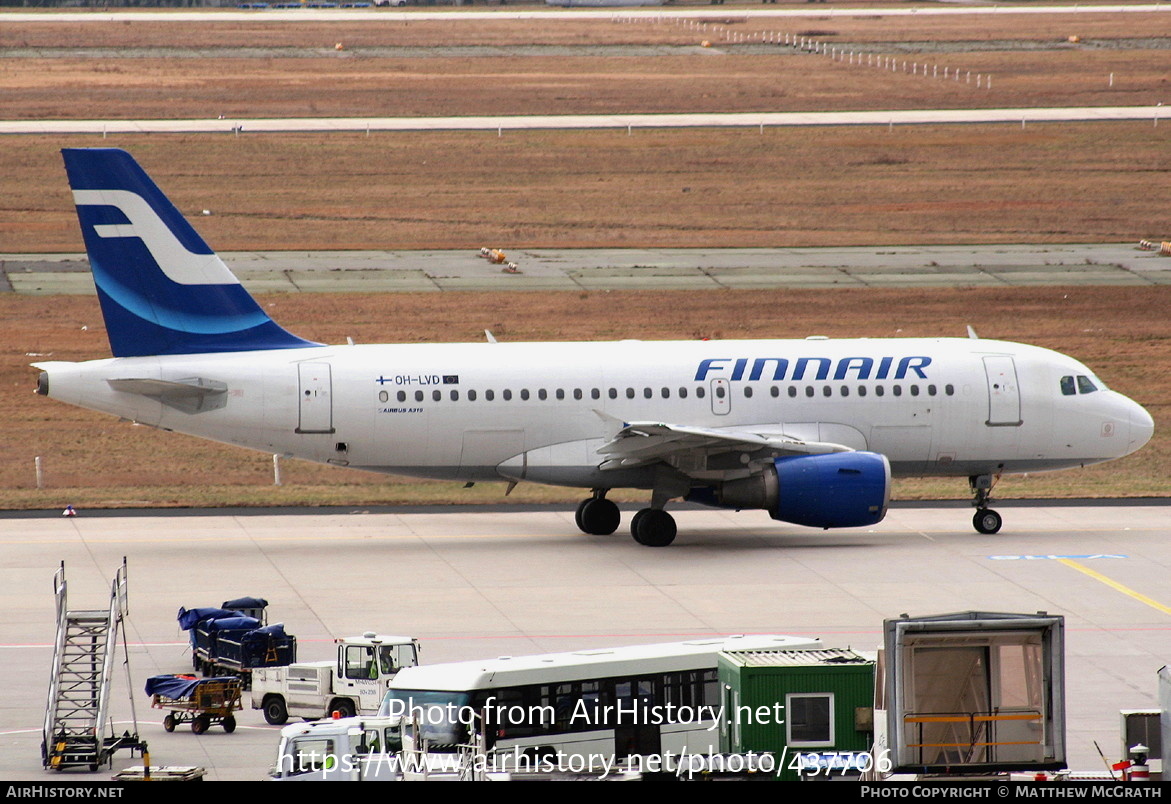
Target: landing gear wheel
[(597, 516), (275, 711), (653, 527), (987, 521), (200, 724), (229, 723), (169, 723)]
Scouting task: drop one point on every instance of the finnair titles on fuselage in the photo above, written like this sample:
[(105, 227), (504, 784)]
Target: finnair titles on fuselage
[(808, 430)]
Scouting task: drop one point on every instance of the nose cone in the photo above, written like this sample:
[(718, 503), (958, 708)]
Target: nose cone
[(1142, 427)]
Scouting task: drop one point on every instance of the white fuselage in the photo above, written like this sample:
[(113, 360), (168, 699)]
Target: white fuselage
[(540, 411)]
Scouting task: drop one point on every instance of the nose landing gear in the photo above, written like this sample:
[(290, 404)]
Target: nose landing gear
[(985, 519)]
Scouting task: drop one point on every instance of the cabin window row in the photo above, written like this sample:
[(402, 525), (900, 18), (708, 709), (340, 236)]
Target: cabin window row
[(720, 392)]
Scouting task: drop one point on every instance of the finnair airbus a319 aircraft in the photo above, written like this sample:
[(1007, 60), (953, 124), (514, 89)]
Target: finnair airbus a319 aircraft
[(809, 430)]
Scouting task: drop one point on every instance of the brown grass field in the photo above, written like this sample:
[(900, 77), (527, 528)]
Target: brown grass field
[(782, 187), (182, 70)]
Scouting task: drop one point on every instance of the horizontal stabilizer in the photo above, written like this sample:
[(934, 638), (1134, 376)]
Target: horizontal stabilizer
[(193, 395)]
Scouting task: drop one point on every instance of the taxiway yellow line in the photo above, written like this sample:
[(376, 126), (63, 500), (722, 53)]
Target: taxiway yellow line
[(1126, 590)]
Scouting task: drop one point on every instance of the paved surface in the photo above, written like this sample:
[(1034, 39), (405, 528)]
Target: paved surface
[(628, 269), (343, 15), (479, 584), (587, 121)]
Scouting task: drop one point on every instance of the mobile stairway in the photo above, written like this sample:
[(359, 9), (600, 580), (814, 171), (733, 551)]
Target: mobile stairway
[(77, 714)]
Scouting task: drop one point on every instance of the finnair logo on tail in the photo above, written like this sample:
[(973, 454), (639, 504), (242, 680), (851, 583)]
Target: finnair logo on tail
[(176, 262)]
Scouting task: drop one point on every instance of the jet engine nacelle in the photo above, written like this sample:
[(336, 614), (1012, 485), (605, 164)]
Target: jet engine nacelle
[(835, 490)]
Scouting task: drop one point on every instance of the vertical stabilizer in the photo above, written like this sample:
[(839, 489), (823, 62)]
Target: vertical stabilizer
[(163, 291)]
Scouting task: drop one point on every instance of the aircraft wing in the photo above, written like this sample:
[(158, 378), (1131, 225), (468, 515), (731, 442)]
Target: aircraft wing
[(640, 443)]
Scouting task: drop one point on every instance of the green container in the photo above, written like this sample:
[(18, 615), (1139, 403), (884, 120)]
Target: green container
[(797, 702)]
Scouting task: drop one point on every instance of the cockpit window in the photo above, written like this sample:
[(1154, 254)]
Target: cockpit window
[(1085, 385), (1067, 386)]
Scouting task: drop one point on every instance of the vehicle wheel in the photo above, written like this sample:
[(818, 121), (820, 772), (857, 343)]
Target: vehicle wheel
[(169, 723), (598, 516), (275, 712), (229, 723), (987, 521), (653, 527), (200, 724), (344, 707)]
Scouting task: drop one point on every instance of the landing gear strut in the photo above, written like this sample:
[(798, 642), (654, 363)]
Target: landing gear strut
[(598, 516), (985, 519)]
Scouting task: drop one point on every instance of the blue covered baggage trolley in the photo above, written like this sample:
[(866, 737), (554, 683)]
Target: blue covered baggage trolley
[(202, 702)]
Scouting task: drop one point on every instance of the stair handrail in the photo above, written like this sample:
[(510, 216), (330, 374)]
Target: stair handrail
[(59, 590)]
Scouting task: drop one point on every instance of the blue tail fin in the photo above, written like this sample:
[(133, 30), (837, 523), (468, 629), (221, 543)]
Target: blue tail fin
[(162, 290)]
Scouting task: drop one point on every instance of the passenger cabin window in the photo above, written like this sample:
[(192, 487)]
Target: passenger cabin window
[(1085, 385)]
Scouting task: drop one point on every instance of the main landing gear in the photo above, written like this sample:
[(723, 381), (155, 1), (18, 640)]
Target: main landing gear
[(652, 527), (597, 516), (985, 519)]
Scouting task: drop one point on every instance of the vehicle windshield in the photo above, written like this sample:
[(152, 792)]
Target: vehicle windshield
[(443, 716)]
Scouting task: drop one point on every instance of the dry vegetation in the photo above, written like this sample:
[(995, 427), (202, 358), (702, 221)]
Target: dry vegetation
[(163, 69), (959, 184), (656, 188)]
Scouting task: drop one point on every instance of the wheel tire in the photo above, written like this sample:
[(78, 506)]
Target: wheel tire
[(200, 724), (344, 708), (987, 521), (598, 516), (229, 723), (275, 711), (169, 723), (654, 527)]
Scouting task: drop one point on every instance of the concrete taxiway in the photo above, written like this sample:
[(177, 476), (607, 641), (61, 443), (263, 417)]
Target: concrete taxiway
[(636, 269), (503, 123), (486, 582)]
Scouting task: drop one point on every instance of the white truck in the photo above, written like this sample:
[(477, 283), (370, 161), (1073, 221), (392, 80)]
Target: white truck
[(354, 683), (378, 748)]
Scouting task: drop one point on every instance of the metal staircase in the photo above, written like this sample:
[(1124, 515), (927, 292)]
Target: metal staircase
[(77, 713)]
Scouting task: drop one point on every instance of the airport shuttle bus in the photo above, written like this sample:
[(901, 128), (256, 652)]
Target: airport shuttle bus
[(572, 709)]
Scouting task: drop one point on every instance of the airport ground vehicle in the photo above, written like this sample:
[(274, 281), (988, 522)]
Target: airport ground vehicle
[(202, 702), (354, 683), (609, 703), (234, 639)]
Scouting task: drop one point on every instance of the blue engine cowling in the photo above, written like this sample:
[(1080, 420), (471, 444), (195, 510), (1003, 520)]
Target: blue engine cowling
[(834, 490), (838, 490)]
